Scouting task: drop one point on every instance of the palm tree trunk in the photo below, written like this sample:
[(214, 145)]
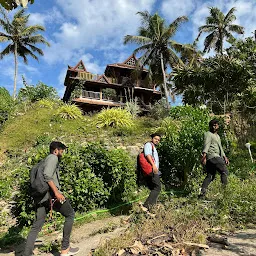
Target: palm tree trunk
[(15, 70), (164, 82)]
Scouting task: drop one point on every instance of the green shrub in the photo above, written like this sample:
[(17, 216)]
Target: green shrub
[(159, 110), (133, 107), (35, 93), (91, 176), (46, 103), (181, 148), (68, 111), (114, 117), (6, 105)]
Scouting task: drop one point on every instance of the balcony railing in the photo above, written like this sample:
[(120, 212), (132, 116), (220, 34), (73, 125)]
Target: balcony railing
[(95, 77), (102, 96)]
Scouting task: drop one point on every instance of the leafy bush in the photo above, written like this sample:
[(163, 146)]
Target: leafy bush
[(159, 110), (46, 103), (181, 148), (91, 176), (114, 117), (133, 107), (6, 105), (34, 93), (68, 111), (109, 92)]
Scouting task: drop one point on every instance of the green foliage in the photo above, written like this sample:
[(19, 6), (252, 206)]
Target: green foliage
[(109, 92), (133, 107), (6, 105), (32, 93), (11, 4), (159, 110), (217, 82), (69, 111), (46, 103), (181, 148), (91, 177), (114, 117)]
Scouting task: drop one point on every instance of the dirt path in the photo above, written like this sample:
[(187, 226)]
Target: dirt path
[(86, 237), (241, 243), (90, 236)]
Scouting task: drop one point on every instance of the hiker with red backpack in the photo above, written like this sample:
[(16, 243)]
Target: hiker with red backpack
[(148, 162)]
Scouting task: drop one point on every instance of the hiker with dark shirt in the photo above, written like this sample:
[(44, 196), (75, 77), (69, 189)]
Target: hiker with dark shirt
[(213, 157), (153, 178), (52, 199)]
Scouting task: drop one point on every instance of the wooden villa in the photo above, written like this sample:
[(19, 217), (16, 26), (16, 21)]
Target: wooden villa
[(121, 82)]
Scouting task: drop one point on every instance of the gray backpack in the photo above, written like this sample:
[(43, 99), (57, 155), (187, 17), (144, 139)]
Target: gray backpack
[(39, 187)]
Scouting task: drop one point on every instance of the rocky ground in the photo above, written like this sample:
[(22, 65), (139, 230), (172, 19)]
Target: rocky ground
[(89, 236)]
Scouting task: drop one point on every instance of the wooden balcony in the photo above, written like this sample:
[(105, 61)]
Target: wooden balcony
[(99, 98), (94, 77)]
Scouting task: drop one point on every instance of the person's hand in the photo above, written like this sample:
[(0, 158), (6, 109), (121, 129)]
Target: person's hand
[(203, 160), (226, 160), (60, 197), (155, 170)]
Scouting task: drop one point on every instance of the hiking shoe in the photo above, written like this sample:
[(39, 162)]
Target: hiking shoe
[(72, 251)]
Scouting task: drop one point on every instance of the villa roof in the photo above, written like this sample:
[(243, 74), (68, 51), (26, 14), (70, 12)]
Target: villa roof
[(79, 67), (130, 63)]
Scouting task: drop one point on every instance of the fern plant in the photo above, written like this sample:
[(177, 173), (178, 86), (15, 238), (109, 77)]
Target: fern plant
[(68, 111), (114, 117)]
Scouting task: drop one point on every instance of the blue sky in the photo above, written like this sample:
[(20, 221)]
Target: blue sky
[(93, 30)]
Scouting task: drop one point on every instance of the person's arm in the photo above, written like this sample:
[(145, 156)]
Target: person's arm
[(49, 170), (56, 192), (207, 144), (148, 155), (222, 154)]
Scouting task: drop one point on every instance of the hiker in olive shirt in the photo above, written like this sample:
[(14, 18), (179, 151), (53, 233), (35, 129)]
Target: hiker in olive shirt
[(53, 199), (213, 157)]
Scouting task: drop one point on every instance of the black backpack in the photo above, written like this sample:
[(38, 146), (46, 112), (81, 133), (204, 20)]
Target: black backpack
[(39, 187)]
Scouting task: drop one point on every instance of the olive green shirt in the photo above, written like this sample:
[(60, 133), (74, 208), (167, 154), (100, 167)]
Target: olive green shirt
[(51, 173), (212, 145)]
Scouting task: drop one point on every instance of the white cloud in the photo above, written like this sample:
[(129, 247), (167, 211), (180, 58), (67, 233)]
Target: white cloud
[(173, 9), (51, 16), (98, 25)]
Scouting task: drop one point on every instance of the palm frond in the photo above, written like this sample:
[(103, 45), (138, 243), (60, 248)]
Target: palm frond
[(31, 30), (236, 28), (34, 40), (230, 17), (143, 48), (35, 49), (7, 50), (172, 29), (24, 52), (207, 28), (4, 37), (140, 40), (210, 41)]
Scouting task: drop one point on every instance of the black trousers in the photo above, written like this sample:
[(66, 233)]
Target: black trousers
[(154, 184), (214, 165), (41, 212)]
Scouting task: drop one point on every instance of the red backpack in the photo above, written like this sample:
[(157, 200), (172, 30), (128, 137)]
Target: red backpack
[(145, 166)]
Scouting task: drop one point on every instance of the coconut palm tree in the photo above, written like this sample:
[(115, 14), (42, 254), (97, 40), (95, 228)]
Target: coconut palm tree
[(21, 39), (220, 28), (159, 50)]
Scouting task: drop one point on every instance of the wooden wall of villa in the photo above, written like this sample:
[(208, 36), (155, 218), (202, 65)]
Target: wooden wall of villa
[(122, 78)]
